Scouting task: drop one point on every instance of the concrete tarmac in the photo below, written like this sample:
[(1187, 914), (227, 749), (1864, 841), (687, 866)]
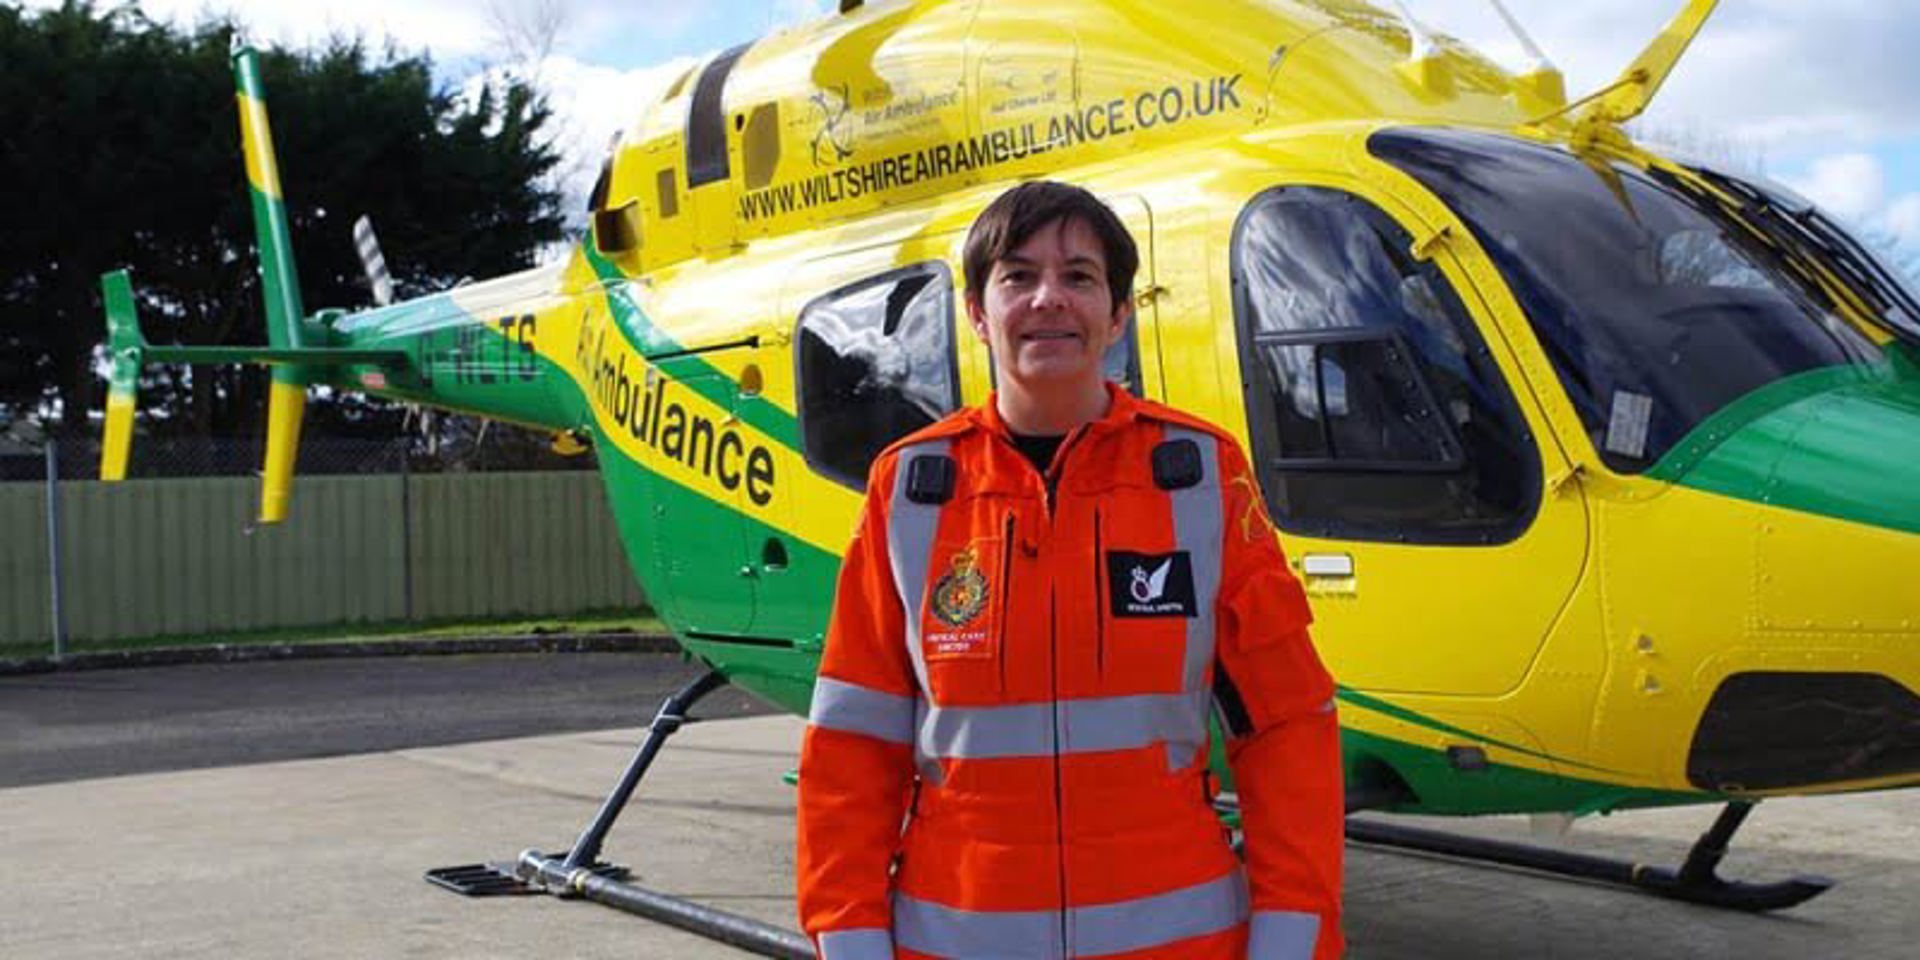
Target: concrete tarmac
[(323, 858)]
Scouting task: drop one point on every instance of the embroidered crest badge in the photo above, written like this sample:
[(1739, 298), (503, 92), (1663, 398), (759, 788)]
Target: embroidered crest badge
[(961, 592)]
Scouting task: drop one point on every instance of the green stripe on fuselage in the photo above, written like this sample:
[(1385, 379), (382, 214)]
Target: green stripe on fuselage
[(1440, 788), (647, 339), (1840, 442), (1405, 715)]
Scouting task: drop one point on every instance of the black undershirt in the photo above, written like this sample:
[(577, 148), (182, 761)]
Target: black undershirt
[(1040, 450)]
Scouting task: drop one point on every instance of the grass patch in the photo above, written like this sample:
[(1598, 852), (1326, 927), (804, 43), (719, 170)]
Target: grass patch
[(611, 621)]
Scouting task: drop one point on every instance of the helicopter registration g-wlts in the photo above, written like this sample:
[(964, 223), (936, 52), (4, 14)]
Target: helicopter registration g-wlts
[(1602, 469)]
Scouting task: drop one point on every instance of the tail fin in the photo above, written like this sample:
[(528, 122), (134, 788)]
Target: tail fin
[(294, 352), (125, 350), (280, 284)]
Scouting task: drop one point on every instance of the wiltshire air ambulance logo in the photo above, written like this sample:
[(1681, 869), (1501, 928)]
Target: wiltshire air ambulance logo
[(961, 592)]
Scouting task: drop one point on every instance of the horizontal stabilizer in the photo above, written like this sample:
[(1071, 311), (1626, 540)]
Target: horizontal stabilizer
[(270, 356), (128, 352)]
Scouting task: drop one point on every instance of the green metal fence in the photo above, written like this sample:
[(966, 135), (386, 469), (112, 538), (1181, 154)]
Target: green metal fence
[(151, 557)]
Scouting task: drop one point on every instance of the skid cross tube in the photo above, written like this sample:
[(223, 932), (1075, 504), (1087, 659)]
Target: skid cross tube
[(1695, 881), (580, 874), (746, 933)]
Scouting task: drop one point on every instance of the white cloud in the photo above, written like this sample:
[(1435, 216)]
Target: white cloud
[(1853, 187), (591, 105), (1850, 185), (1776, 72), (788, 13), (1903, 221)]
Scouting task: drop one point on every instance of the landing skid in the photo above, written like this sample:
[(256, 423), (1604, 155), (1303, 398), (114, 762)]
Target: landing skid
[(580, 873), (1696, 880)]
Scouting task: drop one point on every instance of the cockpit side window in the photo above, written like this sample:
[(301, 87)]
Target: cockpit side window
[(1375, 409), (874, 362), (1656, 309)]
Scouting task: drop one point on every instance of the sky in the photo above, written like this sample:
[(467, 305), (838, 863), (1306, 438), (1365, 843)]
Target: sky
[(1819, 94)]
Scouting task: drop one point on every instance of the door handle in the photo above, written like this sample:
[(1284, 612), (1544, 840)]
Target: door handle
[(1327, 566), (1328, 574)]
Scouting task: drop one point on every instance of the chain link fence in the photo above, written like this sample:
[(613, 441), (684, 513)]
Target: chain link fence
[(448, 449), (153, 457)]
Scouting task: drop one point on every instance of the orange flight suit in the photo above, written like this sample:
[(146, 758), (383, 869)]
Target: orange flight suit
[(1007, 751)]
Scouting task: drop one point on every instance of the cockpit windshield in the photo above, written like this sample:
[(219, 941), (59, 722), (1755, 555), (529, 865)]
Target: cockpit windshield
[(1656, 306)]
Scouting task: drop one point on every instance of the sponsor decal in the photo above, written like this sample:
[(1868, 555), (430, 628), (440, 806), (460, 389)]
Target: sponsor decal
[(1150, 585)]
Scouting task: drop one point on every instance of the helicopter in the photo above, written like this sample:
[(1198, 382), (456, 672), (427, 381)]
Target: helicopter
[(1600, 465)]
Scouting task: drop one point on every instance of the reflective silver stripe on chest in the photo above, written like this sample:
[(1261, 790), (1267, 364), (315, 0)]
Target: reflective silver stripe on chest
[(1087, 725), (910, 530), (1199, 529)]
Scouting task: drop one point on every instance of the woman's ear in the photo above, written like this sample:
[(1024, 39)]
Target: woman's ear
[(976, 316)]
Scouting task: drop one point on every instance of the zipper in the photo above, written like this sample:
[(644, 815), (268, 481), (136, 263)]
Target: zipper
[(1059, 787), (1051, 476), (1007, 547), (1052, 479)]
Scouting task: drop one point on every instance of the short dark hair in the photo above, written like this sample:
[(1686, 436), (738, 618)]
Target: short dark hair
[(1015, 216)]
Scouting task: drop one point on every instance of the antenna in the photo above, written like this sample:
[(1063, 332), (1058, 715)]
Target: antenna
[(1542, 89), (1536, 59), (1424, 68), (1422, 44)]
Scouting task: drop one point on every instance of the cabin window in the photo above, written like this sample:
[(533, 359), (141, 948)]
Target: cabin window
[(1374, 408), (874, 363), (707, 120)]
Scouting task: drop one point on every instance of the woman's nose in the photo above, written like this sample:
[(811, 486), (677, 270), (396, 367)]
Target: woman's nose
[(1049, 293)]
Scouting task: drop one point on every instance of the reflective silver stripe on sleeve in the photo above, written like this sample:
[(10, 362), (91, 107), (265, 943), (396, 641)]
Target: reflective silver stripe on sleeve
[(1283, 935), (910, 530), (849, 707), (1131, 925), (1086, 726), (870, 944)]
